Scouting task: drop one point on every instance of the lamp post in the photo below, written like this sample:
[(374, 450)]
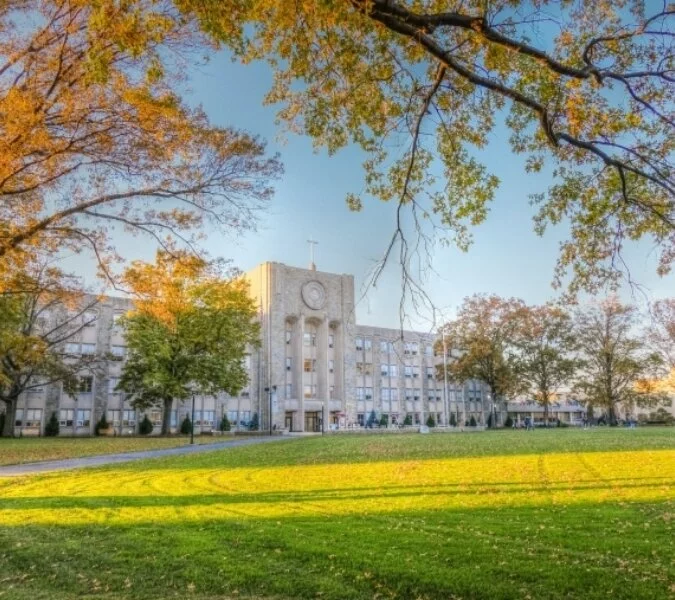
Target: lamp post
[(192, 420), (270, 391)]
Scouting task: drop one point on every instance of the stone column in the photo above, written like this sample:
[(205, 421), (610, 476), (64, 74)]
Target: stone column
[(297, 374)]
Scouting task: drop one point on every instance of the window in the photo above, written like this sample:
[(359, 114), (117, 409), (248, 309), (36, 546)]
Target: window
[(369, 393), (384, 394), (289, 390), (394, 394), (331, 366), (289, 363), (408, 371), (359, 343), (393, 371), (367, 368), (33, 417), (129, 418), (232, 416), (72, 348), (360, 393), (428, 350), (309, 391), (289, 336), (86, 384), (431, 396), (112, 384), (116, 320), (245, 417), (156, 417), (360, 419), (409, 395), (394, 419), (416, 418), (414, 347), (18, 417), (89, 318), (88, 349), (66, 417), (416, 395), (309, 365), (118, 351), (367, 344), (113, 417), (384, 346), (416, 372), (173, 422), (430, 372), (331, 392), (245, 393), (309, 339), (83, 417), (331, 340), (385, 416), (206, 417), (384, 370)]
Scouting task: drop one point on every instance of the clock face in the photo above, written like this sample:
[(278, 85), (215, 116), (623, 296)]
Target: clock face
[(314, 295)]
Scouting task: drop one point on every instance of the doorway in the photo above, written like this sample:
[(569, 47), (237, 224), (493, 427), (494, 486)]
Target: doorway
[(313, 421), (288, 421)]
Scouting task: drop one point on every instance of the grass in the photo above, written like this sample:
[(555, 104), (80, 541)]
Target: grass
[(544, 514), (15, 451)]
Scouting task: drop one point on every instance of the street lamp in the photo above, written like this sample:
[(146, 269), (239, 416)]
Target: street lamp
[(192, 420), (270, 391)]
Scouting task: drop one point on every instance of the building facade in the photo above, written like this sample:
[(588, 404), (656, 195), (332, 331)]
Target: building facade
[(316, 369)]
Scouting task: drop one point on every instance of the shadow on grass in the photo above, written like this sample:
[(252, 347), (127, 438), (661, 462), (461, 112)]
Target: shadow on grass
[(585, 551), (336, 494)]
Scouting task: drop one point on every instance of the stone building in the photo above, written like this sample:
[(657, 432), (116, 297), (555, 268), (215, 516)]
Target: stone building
[(315, 368)]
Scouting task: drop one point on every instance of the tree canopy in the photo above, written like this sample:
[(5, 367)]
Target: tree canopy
[(95, 136), (189, 331), (585, 89)]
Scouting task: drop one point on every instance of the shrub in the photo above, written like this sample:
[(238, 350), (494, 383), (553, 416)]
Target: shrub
[(472, 421), (453, 420), (489, 421), (145, 428), (225, 424), (431, 422), (2, 422), (384, 421), (186, 425), (101, 424), (508, 422), (52, 426), (254, 424), (408, 420), (371, 419)]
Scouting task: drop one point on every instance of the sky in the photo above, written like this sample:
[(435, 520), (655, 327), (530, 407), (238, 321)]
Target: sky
[(507, 257)]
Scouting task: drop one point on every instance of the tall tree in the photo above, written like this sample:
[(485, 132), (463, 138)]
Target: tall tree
[(661, 336), (44, 311), (585, 88), (94, 134), (190, 329), (545, 341), (617, 362), (481, 338)]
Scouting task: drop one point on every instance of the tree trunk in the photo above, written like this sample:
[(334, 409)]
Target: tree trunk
[(546, 413), (10, 417), (612, 414), (166, 416)]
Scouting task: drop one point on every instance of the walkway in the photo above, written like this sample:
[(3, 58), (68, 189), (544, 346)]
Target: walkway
[(109, 459)]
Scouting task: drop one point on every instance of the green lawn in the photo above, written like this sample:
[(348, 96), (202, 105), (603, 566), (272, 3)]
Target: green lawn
[(15, 451), (543, 514)]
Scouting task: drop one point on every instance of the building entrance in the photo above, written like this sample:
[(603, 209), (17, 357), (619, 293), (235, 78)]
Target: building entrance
[(288, 421), (313, 421)]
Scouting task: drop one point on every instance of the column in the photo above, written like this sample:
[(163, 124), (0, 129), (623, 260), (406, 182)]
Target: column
[(299, 424)]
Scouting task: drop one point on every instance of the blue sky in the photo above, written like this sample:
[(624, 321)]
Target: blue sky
[(507, 258)]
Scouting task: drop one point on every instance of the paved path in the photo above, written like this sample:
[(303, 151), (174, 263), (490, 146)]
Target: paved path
[(109, 459)]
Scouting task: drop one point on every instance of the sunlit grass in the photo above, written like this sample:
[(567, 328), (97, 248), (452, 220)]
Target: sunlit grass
[(15, 451), (476, 516)]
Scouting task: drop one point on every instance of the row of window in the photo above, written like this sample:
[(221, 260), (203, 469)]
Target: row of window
[(81, 417), (366, 393), (89, 349), (309, 365), (409, 348)]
